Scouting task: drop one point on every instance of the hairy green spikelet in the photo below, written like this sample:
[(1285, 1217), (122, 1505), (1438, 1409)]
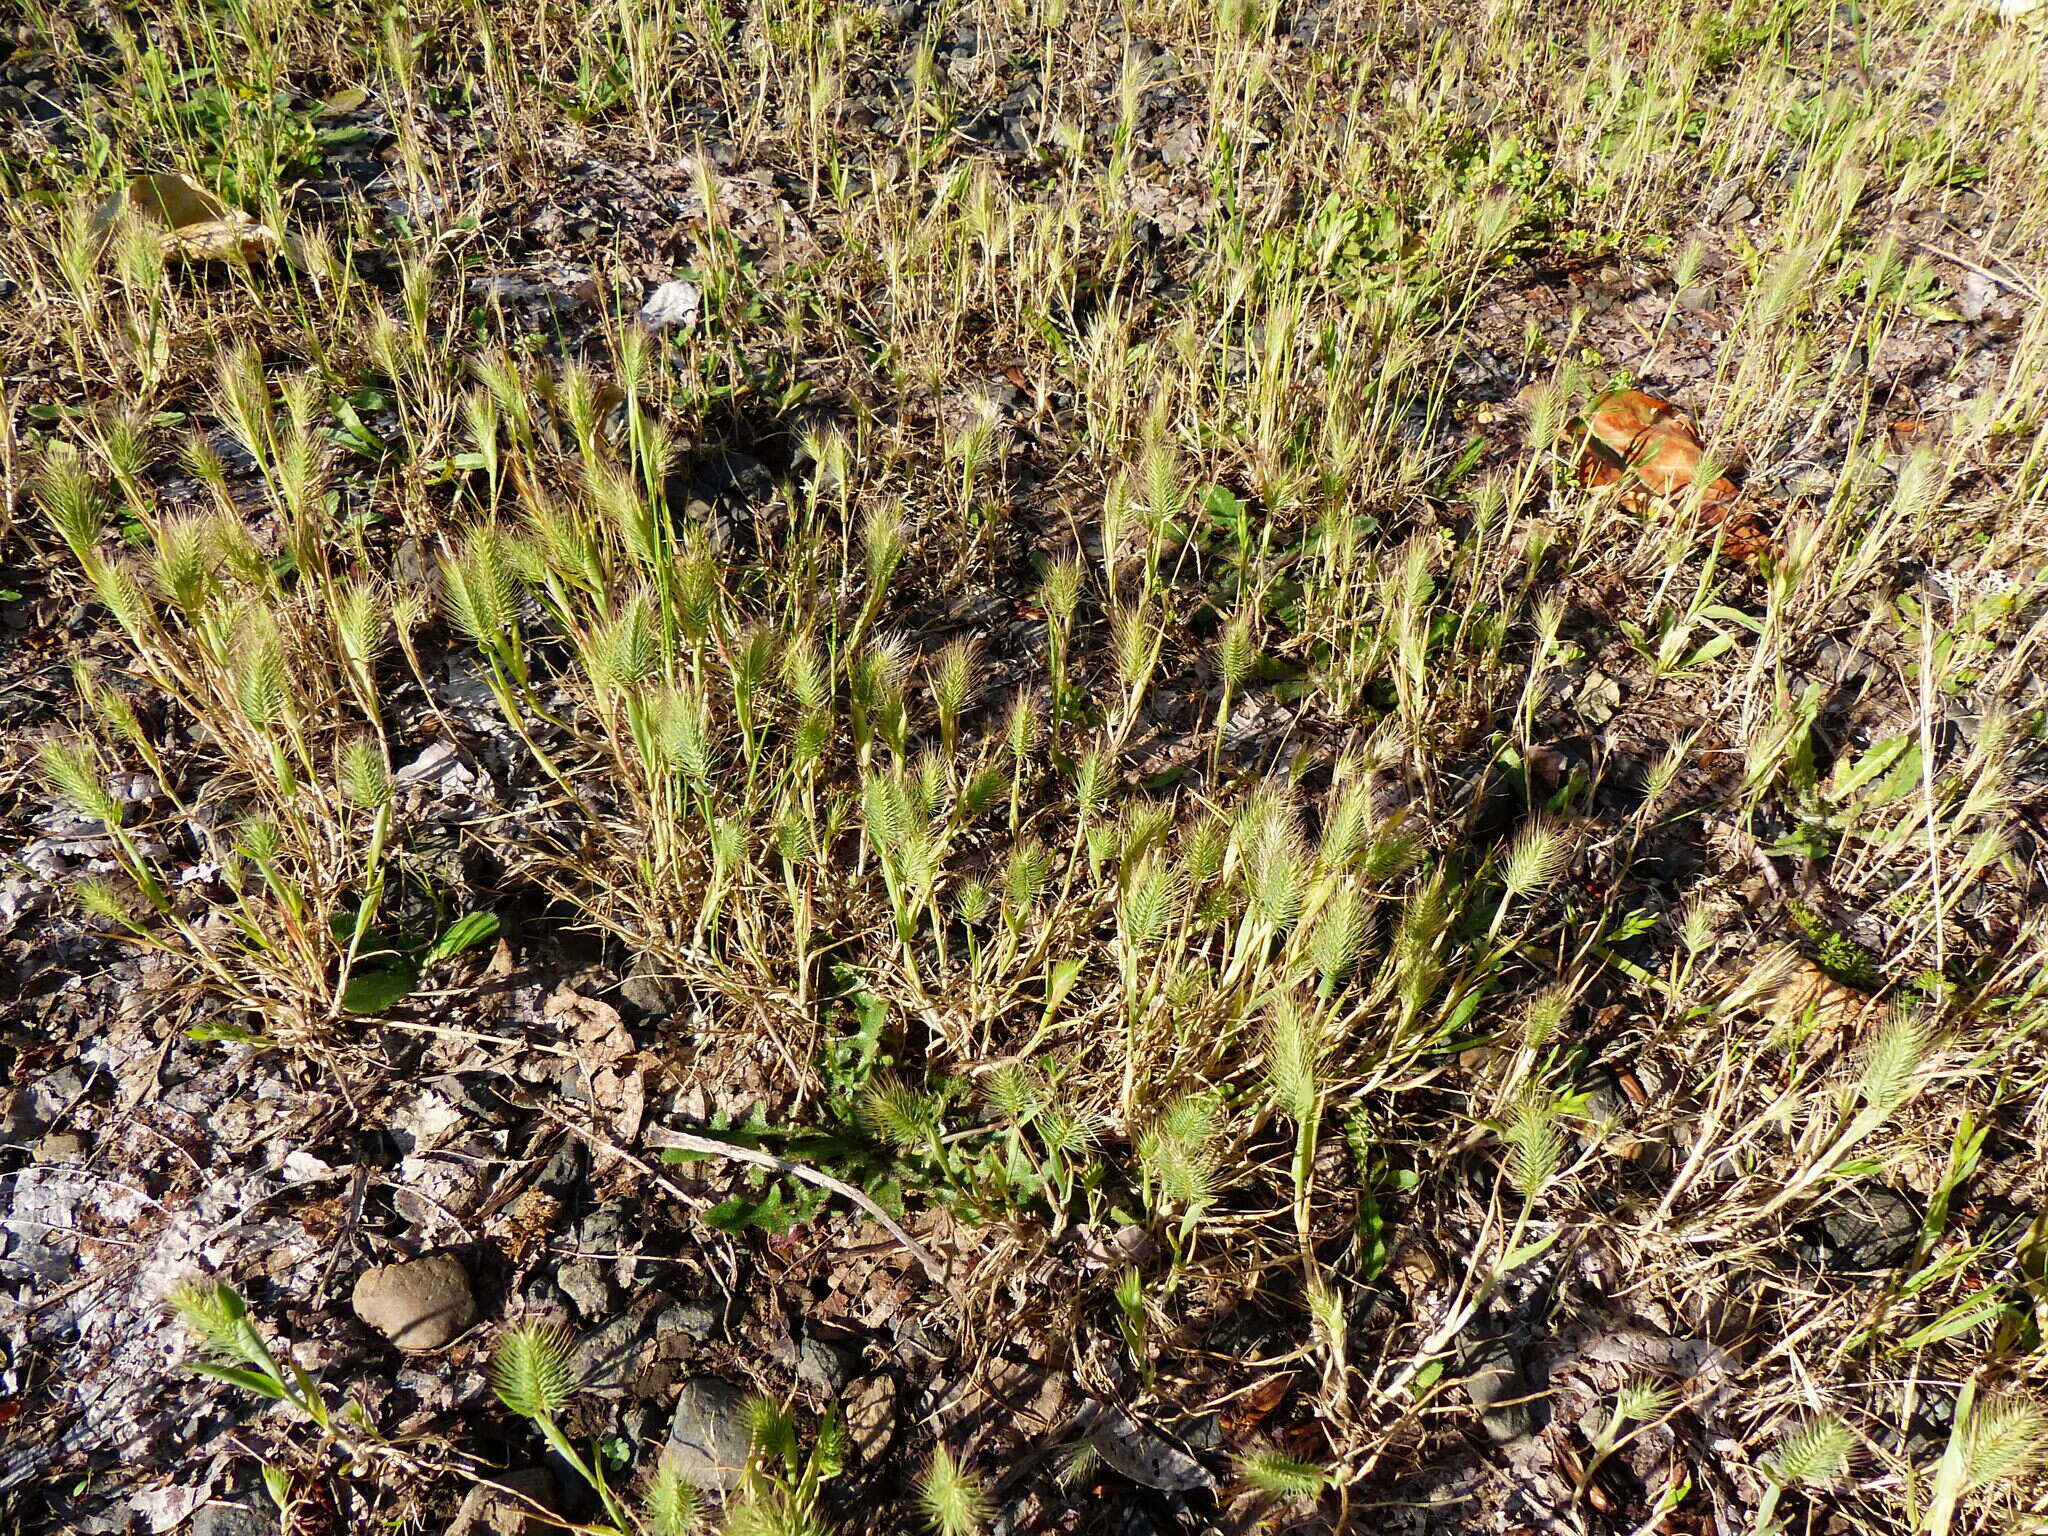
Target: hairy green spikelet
[(1337, 940), (75, 771), (672, 1506), (1347, 829), (1545, 1016), (1235, 653), (71, 503), (2007, 1438), (771, 1430), (261, 688), (1026, 875), (1179, 1152), (1813, 1452), (1021, 726), (1202, 851), (952, 680), (1536, 858), (1133, 642), (530, 1370), (883, 540), (1282, 1476), (360, 772), (114, 584), (210, 1312), (1892, 1066), (1068, 1131), (1017, 1091), (102, 899), (953, 1501), (362, 621), (1535, 1146), (624, 651), (1150, 901), (1294, 1055), (481, 584), (1060, 591), (899, 1114), (1092, 779), (803, 672), (181, 563)]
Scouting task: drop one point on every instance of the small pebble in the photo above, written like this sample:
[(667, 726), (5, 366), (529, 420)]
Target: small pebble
[(420, 1304), (708, 1439)]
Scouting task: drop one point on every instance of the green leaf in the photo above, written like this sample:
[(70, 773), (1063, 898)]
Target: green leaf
[(464, 933), (1903, 780), (1961, 1318), (771, 1213), (1225, 508), (342, 102), (374, 991), (1517, 1257), (235, 1375), (1714, 647), (1872, 763)]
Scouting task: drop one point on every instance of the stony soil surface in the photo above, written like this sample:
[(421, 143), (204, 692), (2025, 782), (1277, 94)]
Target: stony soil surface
[(497, 1148)]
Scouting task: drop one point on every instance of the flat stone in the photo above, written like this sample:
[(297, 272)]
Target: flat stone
[(231, 1520), (60, 1147), (824, 1366), (708, 1440), (420, 1304), (871, 1418), (1869, 1230), (487, 1512), (651, 987), (583, 1282), (672, 306), (609, 1360), (1494, 1381)]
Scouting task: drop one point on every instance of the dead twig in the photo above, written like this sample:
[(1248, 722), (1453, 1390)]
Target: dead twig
[(2018, 285), (660, 1136)]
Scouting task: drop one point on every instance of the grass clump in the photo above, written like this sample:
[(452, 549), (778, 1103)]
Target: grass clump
[(1092, 667)]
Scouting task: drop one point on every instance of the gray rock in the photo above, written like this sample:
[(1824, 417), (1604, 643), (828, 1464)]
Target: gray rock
[(1140, 1452), (824, 1366), (708, 1439), (696, 1321), (231, 1520), (1494, 1381), (487, 1512), (1931, 1427), (583, 1282), (1695, 299), (672, 306), (610, 1360), (566, 1169), (1869, 1230), (652, 989), (60, 1147), (421, 1304), (49, 1096)]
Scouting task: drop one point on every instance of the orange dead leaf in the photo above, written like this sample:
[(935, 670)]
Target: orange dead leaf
[(1634, 436), (1651, 449), (1259, 1404)]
